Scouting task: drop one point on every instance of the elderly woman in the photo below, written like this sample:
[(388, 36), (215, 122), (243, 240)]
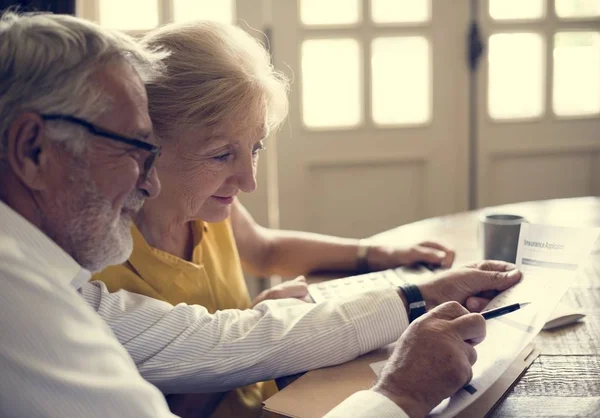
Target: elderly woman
[(212, 112)]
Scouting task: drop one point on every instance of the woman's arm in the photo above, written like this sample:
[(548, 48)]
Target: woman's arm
[(266, 251)]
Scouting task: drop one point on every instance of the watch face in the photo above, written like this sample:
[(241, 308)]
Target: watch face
[(416, 304)]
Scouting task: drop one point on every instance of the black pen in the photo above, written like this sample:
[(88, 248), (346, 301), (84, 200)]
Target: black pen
[(493, 313)]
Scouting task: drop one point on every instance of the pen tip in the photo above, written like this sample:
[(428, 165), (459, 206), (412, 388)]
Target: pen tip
[(524, 304)]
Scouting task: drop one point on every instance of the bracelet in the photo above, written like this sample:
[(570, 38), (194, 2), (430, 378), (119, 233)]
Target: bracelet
[(414, 299), (362, 261)]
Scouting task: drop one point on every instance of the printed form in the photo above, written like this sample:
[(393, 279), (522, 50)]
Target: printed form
[(549, 257)]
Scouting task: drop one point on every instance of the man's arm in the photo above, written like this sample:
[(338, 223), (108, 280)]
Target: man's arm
[(59, 359), (186, 349)]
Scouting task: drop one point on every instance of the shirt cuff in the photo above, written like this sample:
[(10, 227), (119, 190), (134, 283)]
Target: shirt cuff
[(367, 404), (379, 319)]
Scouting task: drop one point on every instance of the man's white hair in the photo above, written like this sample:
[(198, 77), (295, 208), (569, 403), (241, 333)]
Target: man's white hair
[(46, 63)]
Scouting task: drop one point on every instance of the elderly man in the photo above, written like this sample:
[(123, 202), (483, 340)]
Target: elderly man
[(76, 164)]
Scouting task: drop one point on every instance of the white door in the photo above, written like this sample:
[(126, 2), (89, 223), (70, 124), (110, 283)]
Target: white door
[(539, 100), (378, 128)]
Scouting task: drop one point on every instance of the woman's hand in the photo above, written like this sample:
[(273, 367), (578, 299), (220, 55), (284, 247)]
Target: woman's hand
[(296, 288), (384, 257)]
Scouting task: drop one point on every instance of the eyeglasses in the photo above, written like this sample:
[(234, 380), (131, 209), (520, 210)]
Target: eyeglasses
[(154, 150)]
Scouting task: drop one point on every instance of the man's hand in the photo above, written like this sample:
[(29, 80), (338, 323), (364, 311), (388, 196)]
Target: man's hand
[(381, 257), (296, 288), (432, 359), (472, 286)]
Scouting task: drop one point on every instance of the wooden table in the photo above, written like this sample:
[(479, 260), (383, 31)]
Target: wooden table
[(565, 380)]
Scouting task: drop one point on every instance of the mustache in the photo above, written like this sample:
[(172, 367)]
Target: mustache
[(134, 201)]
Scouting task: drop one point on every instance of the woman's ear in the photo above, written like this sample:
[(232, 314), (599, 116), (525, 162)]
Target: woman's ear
[(28, 151)]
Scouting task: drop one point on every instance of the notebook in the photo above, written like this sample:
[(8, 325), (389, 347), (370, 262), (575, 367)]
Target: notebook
[(318, 391), (340, 288)]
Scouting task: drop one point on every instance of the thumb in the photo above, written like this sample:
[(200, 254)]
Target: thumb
[(495, 280)]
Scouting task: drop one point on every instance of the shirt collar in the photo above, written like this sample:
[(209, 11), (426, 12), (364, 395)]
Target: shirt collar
[(41, 249)]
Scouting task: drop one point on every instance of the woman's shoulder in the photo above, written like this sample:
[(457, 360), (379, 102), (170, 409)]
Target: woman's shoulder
[(114, 274), (122, 277)]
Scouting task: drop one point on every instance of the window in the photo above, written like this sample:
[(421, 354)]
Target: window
[(138, 16), (576, 81), (330, 12), (331, 83), (518, 65), (517, 9), (342, 64), (401, 80), (516, 75)]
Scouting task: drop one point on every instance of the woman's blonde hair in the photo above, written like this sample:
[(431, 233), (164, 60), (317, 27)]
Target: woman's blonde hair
[(215, 74)]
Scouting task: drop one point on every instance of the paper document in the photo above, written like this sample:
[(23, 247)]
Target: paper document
[(549, 257)]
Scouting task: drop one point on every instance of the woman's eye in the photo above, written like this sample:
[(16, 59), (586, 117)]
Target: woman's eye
[(258, 149), (222, 157)]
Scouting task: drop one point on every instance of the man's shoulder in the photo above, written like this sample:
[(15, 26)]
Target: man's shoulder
[(29, 285), (33, 302), (16, 259)]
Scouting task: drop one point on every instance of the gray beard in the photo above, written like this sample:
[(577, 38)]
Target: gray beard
[(84, 223)]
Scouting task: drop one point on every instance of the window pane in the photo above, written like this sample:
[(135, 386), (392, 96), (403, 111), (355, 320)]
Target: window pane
[(221, 10), (576, 81), (129, 15), (329, 12), (331, 89), (516, 75), (401, 80), (577, 8), (400, 11), (517, 9)]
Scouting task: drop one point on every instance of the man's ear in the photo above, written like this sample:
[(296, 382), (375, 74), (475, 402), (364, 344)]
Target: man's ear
[(28, 151)]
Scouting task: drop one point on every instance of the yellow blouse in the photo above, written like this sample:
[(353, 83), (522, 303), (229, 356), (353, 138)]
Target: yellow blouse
[(213, 279)]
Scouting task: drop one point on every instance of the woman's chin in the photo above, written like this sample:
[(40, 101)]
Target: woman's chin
[(215, 214)]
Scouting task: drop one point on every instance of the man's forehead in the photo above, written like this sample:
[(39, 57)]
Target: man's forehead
[(127, 112)]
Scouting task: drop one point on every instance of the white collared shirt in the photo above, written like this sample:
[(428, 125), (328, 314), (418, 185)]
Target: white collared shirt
[(58, 358)]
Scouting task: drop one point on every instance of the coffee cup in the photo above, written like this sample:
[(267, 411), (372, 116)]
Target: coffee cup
[(500, 235)]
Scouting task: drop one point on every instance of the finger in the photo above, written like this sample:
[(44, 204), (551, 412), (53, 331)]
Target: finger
[(449, 310), (307, 298), (299, 279), (449, 260), (471, 353), (449, 255), (293, 289), (435, 245), (481, 280), (471, 327), (476, 304), (495, 265), (488, 294), (261, 297), (427, 255)]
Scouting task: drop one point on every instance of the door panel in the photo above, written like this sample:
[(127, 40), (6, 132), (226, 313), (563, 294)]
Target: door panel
[(377, 133), (538, 101)]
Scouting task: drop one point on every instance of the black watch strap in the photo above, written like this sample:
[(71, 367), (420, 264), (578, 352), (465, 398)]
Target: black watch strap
[(414, 299)]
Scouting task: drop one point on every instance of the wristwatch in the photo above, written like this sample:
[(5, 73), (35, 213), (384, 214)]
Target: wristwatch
[(414, 299)]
